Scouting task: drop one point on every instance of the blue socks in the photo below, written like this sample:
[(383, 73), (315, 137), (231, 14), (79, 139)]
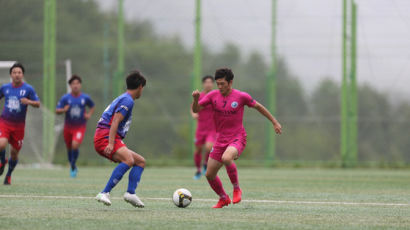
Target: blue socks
[(134, 178), (69, 155), (12, 165), (72, 157), (116, 176), (3, 156)]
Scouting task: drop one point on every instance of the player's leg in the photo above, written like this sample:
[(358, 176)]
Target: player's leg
[(68, 137), (134, 178), (75, 146), (125, 160), (216, 183), (228, 157), (207, 150), (12, 164), (197, 161), (3, 160)]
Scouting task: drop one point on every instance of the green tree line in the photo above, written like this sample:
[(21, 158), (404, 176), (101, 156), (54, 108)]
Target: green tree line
[(160, 127)]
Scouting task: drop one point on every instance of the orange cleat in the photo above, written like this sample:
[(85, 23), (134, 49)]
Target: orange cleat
[(223, 202), (237, 195), (7, 180)]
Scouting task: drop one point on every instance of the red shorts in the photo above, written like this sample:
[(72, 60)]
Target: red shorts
[(101, 141), (219, 148), (14, 135), (203, 137), (73, 134)]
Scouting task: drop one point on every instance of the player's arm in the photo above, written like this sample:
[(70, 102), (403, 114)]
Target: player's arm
[(261, 109), (194, 115), (63, 110), (195, 104), (27, 101), (90, 112), (118, 117)]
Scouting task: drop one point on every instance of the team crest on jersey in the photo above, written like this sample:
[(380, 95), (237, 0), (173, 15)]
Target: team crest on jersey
[(75, 111), (13, 104), (234, 104), (82, 101)]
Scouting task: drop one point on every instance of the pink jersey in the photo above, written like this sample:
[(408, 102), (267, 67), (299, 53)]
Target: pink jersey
[(205, 118), (228, 112)]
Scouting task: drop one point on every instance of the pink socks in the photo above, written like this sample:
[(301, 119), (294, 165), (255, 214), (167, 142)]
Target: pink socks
[(197, 160), (216, 185), (233, 175)]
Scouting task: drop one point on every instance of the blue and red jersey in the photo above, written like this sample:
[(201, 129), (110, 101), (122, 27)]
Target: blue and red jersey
[(14, 112), (122, 104), (74, 117)]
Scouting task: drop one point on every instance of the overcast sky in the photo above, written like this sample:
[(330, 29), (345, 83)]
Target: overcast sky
[(308, 33)]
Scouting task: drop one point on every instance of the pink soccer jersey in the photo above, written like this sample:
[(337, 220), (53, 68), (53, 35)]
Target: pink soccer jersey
[(228, 112), (206, 118)]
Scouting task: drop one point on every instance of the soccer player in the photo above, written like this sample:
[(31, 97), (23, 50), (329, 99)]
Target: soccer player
[(111, 129), (18, 95), (205, 131), (228, 106), (74, 106)]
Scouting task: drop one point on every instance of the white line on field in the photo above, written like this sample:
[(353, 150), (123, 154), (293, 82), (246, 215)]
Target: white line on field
[(212, 200)]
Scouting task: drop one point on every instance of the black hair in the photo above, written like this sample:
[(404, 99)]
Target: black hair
[(224, 73), (73, 78), (135, 80), (207, 77), (17, 65)]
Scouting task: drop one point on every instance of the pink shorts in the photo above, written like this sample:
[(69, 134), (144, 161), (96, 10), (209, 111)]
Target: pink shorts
[(218, 149), (203, 137)]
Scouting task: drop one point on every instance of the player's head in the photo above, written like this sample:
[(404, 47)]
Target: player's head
[(224, 78), (17, 73), (75, 84), (136, 83), (208, 83)]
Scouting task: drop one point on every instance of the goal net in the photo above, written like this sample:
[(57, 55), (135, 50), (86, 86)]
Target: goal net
[(33, 151)]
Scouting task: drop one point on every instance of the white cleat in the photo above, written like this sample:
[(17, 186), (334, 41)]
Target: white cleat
[(133, 199), (103, 198)]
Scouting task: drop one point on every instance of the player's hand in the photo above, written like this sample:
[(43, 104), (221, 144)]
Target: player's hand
[(195, 95), (25, 101), (278, 128), (66, 108), (108, 149), (195, 115), (87, 116)]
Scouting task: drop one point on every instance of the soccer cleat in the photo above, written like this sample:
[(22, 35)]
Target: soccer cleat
[(2, 166), (223, 202), (73, 173), (197, 175), (7, 180), (237, 196), (103, 198), (133, 199)]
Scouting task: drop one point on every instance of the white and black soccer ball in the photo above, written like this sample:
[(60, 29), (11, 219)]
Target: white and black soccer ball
[(182, 198)]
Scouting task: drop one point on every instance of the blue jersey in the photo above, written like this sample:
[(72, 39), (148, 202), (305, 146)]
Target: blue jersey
[(14, 111), (75, 114), (123, 104)]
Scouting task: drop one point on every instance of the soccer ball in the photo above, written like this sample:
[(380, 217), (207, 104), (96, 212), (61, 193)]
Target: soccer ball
[(182, 198)]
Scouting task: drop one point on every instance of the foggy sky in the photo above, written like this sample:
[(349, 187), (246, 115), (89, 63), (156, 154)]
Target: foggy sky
[(308, 34)]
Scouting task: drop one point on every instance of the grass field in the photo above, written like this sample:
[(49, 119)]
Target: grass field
[(273, 199)]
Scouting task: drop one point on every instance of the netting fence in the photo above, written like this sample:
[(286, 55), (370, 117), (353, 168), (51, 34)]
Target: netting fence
[(159, 38)]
